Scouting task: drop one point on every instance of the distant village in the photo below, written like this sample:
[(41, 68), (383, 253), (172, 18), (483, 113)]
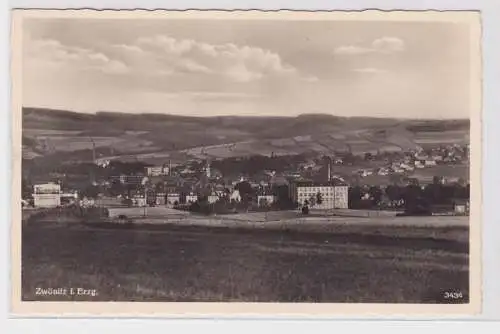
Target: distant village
[(324, 182)]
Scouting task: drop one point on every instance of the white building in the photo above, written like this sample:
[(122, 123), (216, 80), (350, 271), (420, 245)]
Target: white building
[(235, 196), (366, 172), (213, 198), (139, 201), (191, 198), (418, 164), (157, 170), (430, 163), (406, 166), (87, 202), (334, 194), (267, 199), (173, 199), (47, 195)]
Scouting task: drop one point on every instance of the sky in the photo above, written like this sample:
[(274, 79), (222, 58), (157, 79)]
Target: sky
[(209, 67)]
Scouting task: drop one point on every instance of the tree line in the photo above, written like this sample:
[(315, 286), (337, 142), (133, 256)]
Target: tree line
[(412, 198)]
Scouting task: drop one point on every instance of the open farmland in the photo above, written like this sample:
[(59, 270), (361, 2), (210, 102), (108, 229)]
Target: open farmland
[(197, 263), (153, 137), (457, 171), (445, 137)]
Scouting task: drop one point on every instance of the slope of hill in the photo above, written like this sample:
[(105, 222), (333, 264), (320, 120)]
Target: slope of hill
[(150, 137)]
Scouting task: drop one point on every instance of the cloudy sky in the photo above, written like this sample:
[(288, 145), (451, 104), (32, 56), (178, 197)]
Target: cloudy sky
[(223, 67)]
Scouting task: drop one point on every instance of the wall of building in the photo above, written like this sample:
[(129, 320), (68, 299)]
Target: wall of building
[(191, 198), (333, 197), (212, 199), (46, 200), (47, 195), (173, 199), (270, 199)]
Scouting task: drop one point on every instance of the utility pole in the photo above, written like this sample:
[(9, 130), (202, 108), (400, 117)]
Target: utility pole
[(329, 171), (92, 176), (93, 150)]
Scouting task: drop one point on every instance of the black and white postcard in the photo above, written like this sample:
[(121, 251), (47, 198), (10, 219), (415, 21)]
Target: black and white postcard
[(228, 163)]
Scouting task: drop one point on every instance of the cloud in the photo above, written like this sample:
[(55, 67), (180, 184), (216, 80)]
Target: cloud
[(352, 50), (369, 70), (54, 53), (170, 56), (219, 95), (385, 45), (388, 44)]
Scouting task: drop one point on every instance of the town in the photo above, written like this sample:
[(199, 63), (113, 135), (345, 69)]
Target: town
[(417, 182)]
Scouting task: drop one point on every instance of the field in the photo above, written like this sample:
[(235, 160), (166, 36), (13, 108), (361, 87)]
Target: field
[(409, 262), (458, 171), (156, 137)]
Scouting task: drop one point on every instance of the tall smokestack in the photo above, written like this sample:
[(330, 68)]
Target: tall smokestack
[(329, 172)]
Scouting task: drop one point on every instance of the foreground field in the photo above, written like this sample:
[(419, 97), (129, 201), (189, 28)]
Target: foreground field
[(196, 263)]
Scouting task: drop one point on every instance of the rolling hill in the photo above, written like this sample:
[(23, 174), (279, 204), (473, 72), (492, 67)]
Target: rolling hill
[(152, 137)]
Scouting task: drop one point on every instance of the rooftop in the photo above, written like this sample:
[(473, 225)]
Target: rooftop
[(308, 183)]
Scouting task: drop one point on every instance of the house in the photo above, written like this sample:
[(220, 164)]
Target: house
[(429, 163), (235, 196), (161, 198), (191, 198), (157, 170), (461, 207), (212, 198), (451, 179), (406, 166), (338, 161), (333, 194), (366, 172), (421, 156), (419, 164), (87, 202), (47, 195), (139, 201), (173, 199), (266, 199)]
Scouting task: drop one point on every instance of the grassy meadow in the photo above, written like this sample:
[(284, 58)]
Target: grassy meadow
[(175, 262)]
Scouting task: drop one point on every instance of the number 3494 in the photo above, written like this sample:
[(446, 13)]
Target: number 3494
[(453, 295)]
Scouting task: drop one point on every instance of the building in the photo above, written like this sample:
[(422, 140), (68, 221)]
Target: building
[(265, 199), (173, 199), (158, 170), (191, 198), (406, 167), (333, 194), (212, 198), (161, 199), (430, 163), (461, 207), (47, 195), (235, 196), (419, 164), (87, 202)]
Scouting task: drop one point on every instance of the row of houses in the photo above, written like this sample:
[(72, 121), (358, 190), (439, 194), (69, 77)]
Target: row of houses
[(321, 195)]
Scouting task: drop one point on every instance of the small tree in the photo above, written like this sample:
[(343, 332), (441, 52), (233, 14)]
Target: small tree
[(319, 198)]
